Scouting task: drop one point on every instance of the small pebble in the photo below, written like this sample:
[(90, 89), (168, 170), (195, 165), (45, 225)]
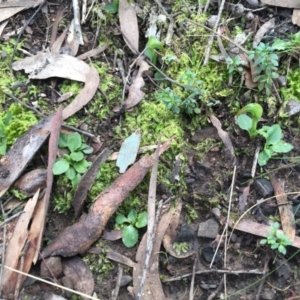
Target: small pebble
[(264, 187), (208, 229), (268, 294), (249, 16), (54, 264), (282, 80), (216, 212), (185, 234), (211, 21)]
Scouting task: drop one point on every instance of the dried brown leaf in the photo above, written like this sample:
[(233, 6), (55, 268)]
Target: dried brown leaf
[(171, 233), (135, 93), (87, 180), (18, 156), (262, 31), (296, 17), (80, 275), (280, 3), (15, 248), (129, 25), (285, 209), (223, 136), (258, 229)]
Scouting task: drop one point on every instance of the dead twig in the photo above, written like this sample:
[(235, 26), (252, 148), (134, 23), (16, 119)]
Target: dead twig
[(211, 271), (211, 39), (151, 220), (257, 297), (215, 293), (116, 290), (19, 281)]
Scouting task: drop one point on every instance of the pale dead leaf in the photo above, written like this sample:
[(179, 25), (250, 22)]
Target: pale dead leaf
[(285, 209), (93, 52), (10, 8), (152, 287), (86, 94), (80, 275), (262, 31), (47, 65), (2, 26), (243, 198), (171, 233), (280, 3), (129, 25), (296, 17), (23, 150), (249, 83), (257, 229), (135, 93), (223, 136)]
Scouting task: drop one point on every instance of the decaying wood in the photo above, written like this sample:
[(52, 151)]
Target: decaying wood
[(21, 153), (285, 209), (29, 229), (80, 236)]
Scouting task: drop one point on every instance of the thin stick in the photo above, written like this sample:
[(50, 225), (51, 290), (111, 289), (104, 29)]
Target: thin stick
[(116, 290), (215, 293), (212, 271), (211, 39), (77, 27), (257, 297), (222, 36), (151, 221), (19, 280), (226, 226), (4, 241)]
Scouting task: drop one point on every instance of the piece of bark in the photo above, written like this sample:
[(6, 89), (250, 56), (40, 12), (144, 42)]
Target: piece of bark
[(21, 153), (81, 235), (285, 209), (87, 181)]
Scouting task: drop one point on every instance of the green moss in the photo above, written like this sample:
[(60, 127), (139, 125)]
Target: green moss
[(21, 121), (292, 91), (99, 263)]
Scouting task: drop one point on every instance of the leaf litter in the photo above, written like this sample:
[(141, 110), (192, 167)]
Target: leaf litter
[(127, 17)]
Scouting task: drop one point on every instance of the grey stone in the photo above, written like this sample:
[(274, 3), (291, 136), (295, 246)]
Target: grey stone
[(268, 294), (52, 263), (208, 229), (264, 187)]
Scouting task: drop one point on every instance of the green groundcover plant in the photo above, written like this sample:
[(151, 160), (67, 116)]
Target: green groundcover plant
[(272, 134), (276, 239), (129, 226), (73, 163)]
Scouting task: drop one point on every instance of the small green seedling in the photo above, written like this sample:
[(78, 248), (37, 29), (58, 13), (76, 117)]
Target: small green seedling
[(276, 239), (189, 104), (72, 164), (234, 64), (152, 46), (265, 62), (3, 136), (272, 134), (273, 144), (250, 123), (181, 247), (129, 226)]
